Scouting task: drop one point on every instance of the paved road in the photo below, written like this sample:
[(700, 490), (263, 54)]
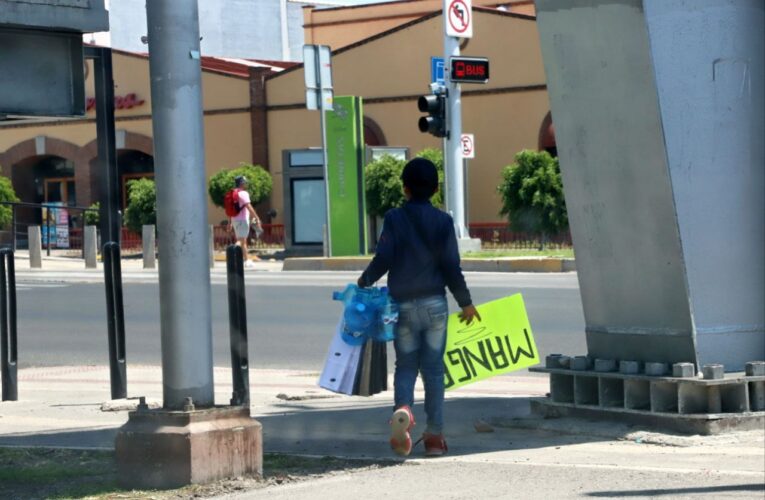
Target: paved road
[(290, 314)]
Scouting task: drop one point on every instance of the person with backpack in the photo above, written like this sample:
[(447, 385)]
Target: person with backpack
[(418, 250), (236, 203)]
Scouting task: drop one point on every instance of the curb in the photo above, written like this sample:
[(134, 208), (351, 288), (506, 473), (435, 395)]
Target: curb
[(507, 265)]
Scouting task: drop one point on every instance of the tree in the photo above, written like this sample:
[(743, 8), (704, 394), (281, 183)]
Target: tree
[(259, 183), (7, 193), (382, 179), (437, 157), (383, 186), (142, 204), (532, 195)]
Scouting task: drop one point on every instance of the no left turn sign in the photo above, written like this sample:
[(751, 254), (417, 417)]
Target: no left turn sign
[(467, 143), (459, 18)]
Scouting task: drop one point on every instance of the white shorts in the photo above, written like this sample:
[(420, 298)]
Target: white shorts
[(241, 228)]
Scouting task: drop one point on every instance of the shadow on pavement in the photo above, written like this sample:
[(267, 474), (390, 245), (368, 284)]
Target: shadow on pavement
[(343, 429), (760, 487), (354, 428)]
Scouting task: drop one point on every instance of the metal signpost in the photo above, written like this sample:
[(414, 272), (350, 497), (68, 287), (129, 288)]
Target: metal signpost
[(458, 23), (317, 67)]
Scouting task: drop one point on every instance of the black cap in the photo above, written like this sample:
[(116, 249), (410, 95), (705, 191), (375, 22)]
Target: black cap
[(239, 180), (421, 177)]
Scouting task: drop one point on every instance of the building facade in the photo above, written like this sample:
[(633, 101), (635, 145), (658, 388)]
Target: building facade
[(255, 112), (391, 70), (56, 160)]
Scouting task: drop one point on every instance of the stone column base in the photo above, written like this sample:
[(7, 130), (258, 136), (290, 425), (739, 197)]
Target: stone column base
[(168, 449), (468, 245)]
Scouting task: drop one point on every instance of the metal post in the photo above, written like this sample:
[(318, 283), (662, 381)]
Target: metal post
[(466, 196), (13, 227), (149, 247), (115, 320), (107, 142), (324, 155), (237, 318), (212, 246), (184, 275), (35, 247), (90, 246), (455, 202), (8, 334), (47, 232)]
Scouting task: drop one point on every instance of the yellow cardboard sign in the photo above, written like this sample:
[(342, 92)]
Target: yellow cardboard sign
[(501, 342)]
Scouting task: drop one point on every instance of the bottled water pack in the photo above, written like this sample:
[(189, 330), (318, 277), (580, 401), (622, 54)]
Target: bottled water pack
[(369, 313)]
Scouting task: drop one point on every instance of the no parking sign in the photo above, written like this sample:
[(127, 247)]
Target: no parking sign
[(467, 146)]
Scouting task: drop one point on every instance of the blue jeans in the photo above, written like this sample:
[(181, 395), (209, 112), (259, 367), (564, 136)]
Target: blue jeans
[(420, 342)]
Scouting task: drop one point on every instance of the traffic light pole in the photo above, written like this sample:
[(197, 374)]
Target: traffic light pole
[(455, 180)]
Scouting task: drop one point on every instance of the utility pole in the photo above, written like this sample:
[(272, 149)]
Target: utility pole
[(184, 271), (455, 180)]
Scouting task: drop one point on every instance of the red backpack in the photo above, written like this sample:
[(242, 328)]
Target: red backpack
[(231, 202)]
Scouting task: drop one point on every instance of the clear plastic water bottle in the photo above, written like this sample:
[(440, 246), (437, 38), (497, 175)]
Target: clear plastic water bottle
[(388, 318)]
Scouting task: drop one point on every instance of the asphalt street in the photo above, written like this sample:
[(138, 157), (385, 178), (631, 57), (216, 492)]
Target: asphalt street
[(291, 317)]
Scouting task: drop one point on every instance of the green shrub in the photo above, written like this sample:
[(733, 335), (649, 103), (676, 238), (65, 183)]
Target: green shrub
[(532, 194), (437, 157), (142, 204), (382, 179), (259, 183), (383, 186), (6, 194), (92, 217)]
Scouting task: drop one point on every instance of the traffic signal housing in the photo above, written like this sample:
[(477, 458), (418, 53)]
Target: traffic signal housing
[(435, 106)]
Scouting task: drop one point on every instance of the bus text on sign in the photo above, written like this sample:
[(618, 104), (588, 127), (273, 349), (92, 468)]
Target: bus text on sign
[(469, 69)]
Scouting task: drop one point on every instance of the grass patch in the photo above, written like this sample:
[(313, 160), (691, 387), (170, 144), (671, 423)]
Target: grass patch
[(494, 254), (32, 473)]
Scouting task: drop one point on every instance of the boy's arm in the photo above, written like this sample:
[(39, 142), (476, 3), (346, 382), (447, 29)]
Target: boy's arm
[(450, 265), (383, 257)]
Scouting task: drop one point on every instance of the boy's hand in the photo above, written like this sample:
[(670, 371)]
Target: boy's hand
[(360, 282), (468, 314)]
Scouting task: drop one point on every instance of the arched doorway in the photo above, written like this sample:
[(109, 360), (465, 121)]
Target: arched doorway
[(373, 134), (43, 179), (131, 165), (547, 136)]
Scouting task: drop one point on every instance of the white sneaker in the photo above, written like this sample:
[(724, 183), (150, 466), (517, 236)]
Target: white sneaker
[(248, 263)]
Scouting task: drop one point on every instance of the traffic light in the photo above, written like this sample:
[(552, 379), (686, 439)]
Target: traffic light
[(435, 106)]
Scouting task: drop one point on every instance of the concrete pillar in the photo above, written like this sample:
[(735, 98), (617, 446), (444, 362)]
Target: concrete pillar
[(35, 247), (149, 246), (90, 247), (659, 115)]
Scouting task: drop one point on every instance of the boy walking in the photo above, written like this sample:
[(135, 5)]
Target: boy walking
[(241, 221), (418, 250)]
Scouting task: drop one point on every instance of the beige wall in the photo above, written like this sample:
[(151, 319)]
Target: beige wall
[(343, 26), (503, 123)]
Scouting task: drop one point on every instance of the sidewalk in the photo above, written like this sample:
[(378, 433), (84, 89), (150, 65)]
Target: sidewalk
[(64, 268), (521, 458), (59, 261)]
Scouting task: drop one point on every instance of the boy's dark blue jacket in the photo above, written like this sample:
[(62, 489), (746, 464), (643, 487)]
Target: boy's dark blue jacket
[(404, 254)]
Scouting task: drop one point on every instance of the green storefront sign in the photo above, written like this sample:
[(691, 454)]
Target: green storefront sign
[(345, 170)]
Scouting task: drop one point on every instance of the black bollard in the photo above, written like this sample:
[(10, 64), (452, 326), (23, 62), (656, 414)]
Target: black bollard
[(237, 318), (8, 334), (115, 320)]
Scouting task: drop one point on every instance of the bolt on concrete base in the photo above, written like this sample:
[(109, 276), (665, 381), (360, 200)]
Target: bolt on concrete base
[(169, 449)]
